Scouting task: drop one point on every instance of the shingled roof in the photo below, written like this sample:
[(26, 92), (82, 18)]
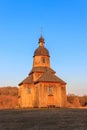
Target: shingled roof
[(41, 69), (49, 77), (28, 80), (41, 51)]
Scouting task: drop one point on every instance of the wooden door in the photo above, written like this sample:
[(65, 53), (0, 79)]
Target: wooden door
[(51, 101)]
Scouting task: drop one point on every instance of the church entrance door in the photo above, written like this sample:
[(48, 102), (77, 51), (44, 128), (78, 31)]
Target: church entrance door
[(51, 101)]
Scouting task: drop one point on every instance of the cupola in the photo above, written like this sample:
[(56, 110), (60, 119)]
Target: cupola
[(41, 50)]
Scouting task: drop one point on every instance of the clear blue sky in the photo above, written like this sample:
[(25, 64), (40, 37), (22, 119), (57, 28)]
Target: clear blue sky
[(64, 25)]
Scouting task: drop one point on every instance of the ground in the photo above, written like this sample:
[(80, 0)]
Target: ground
[(43, 119)]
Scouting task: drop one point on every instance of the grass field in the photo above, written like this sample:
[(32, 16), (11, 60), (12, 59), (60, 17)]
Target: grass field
[(43, 119)]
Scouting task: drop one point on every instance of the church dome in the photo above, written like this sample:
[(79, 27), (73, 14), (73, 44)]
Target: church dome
[(41, 51)]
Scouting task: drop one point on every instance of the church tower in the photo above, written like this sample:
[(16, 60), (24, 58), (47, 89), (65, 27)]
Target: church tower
[(42, 88), (41, 55)]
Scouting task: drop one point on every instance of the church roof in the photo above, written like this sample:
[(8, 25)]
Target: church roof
[(41, 69), (49, 77), (46, 77), (28, 80), (41, 51)]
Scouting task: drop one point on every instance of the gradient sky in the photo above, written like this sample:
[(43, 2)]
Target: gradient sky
[(64, 24)]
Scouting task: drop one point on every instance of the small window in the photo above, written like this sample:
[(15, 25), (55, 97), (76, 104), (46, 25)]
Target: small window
[(43, 60), (50, 90), (29, 90)]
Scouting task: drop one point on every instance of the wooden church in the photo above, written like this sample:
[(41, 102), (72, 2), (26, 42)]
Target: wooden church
[(42, 88)]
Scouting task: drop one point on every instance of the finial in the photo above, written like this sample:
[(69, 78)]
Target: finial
[(41, 39), (41, 31)]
